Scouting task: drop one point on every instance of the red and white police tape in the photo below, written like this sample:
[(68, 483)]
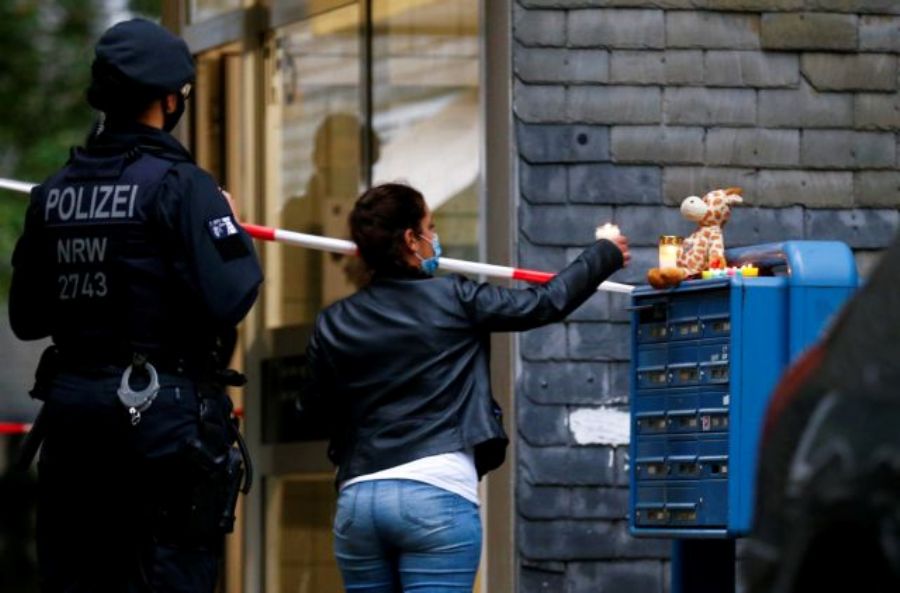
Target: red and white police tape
[(349, 248)]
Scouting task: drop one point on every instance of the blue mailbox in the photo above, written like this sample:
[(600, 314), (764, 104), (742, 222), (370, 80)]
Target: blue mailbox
[(705, 359)]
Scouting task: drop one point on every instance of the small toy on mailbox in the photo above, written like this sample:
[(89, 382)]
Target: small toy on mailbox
[(704, 249)]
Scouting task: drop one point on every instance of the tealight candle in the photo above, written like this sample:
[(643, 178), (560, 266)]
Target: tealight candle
[(607, 231), (669, 247)]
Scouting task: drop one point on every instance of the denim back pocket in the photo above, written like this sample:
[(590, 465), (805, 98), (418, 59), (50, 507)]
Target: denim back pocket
[(428, 506), (346, 509)]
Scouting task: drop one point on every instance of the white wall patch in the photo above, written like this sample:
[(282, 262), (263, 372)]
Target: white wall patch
[(600, 426)]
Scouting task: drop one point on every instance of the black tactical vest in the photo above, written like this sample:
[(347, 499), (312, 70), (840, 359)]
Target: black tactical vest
[(104, 255)]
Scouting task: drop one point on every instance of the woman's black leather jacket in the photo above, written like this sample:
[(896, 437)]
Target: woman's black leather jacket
[(400, 370)]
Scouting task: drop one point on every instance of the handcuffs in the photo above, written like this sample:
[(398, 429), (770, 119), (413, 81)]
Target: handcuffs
[(138, 401)]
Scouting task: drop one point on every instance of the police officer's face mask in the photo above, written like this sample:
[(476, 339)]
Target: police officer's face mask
[(171, 119)]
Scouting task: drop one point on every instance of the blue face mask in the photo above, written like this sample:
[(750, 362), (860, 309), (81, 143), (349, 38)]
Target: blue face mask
[(430, 265)]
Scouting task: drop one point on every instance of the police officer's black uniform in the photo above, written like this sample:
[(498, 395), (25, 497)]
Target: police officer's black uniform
[(132, 259)]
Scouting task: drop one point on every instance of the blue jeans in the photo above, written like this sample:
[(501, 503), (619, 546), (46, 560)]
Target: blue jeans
[(393, 536)]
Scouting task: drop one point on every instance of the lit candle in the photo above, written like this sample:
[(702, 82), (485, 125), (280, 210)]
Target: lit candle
[(607, 231), (669, 247)]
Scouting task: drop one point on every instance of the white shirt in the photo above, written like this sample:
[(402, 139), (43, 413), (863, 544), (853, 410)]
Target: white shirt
[(454, 472)]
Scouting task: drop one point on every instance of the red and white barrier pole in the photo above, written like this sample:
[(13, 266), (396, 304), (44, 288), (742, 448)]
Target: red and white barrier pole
[(349, 248), (19, 186), (14, 428), (446, 263)]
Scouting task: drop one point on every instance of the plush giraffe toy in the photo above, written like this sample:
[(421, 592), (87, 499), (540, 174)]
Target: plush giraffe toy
[(705, 247)]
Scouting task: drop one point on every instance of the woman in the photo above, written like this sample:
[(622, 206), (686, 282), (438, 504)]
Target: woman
[(400, 371)]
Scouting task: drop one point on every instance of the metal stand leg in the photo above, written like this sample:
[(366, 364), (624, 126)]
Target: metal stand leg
[(703, 566)]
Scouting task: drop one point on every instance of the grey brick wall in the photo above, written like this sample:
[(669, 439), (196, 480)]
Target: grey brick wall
[(622, 109)]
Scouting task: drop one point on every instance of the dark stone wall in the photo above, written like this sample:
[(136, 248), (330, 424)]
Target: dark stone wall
[(622, 109)]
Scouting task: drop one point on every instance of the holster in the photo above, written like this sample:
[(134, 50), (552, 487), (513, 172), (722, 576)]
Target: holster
[(213, 497), (219, 468)]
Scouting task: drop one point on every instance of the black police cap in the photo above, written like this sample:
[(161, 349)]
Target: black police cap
[(147, 55)]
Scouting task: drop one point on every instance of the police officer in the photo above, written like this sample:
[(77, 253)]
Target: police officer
[(133, 262)]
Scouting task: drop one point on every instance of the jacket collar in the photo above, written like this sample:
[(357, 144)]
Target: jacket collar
[(122, 137), (400, 273)]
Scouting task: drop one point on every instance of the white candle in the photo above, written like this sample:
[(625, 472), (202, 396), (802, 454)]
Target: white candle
[(607, 231), (669, 246)]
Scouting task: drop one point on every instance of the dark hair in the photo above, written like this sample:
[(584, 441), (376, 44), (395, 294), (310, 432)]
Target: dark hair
[(378, 221)]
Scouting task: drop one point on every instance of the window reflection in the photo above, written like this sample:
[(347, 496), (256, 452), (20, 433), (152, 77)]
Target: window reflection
[(201, 10), (424, 131), (316, 177), (425, 98)]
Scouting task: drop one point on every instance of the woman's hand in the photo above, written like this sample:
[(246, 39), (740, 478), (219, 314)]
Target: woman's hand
[(611, 232), (621, 241)]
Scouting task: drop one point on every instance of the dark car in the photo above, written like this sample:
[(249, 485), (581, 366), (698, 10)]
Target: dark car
[(828, 498)]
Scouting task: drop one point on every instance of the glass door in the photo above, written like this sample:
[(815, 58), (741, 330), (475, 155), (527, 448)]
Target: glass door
[(355, 93), (425, 110), (314, 126)]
